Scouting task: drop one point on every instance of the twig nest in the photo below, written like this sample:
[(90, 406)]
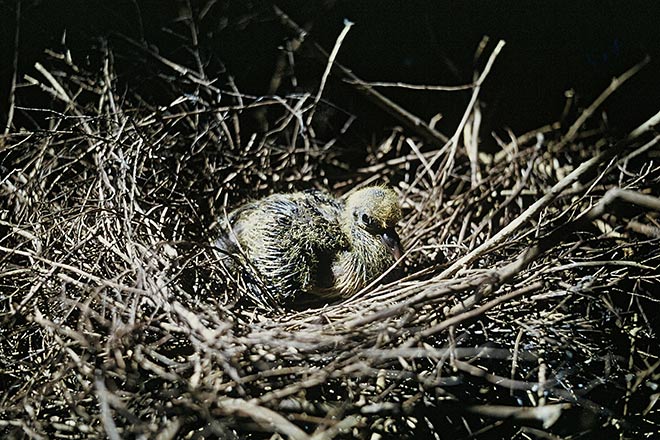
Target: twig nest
[(312, 242)]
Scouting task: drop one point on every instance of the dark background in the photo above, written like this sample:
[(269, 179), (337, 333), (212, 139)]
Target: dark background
[(552, 46)]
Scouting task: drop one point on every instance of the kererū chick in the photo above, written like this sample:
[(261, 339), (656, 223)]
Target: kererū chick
[(311, 242)]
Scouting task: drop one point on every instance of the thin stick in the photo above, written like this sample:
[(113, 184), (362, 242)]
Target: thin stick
[(411, 121), (264, 417), (507, 272), (331, 59), (480, 310), (453, 142), (558, 235), (646, 126), (614, 85), (12, 87), (477, 88), (103, 396), (181, 70), (402, 85), (537, 206)]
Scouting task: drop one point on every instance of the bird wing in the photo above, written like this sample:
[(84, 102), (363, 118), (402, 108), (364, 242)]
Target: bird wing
[(291, 239)]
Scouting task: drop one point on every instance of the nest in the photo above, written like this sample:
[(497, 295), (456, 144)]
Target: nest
[(525, 311)]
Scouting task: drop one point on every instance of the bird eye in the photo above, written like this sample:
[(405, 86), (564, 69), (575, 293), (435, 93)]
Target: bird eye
[(366, 219)]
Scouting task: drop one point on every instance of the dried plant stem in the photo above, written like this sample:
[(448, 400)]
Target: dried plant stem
[(409, 120), (328, 68), (614, 85), (120, 319), (538, 206), (507, 272), (14, 75)]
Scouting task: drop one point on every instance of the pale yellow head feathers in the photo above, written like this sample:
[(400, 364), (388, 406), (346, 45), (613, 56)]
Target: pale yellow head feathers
[(374, 208)]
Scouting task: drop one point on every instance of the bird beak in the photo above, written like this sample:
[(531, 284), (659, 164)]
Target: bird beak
[(391, 239)]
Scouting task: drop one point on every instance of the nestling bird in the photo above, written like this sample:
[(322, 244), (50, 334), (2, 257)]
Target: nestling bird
[(312, 242)]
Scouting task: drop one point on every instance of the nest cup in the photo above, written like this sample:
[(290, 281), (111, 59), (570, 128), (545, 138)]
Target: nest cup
[(520, 310)]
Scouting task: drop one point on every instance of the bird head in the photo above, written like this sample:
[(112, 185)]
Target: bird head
[(376, 210)]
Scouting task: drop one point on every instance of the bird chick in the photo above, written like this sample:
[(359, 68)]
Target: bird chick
[(312, 242)]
